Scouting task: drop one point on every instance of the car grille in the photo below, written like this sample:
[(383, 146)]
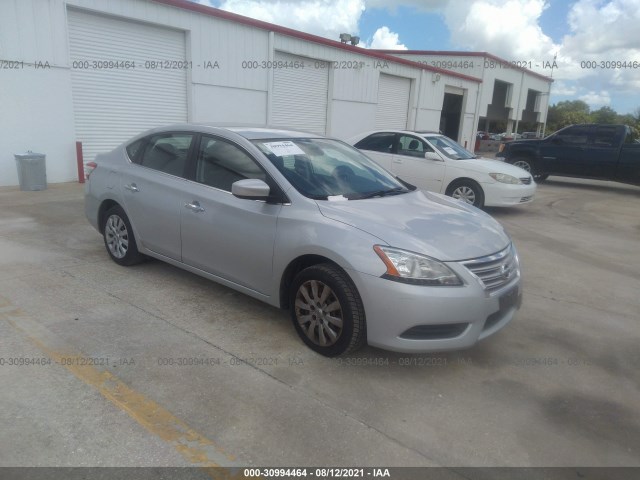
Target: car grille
[(495, 271), (526, 180)]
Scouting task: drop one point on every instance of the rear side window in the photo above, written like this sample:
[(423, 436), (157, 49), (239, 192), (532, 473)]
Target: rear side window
[(135, 149), (378, 142), (167, 152), (605, 136)]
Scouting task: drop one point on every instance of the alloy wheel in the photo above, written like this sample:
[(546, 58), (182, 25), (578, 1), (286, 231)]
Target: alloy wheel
[(319, 313), (117, 236), (464, 193), (523, 165)]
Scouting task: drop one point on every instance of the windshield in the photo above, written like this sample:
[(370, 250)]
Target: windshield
[(449, 148), (325, 169)]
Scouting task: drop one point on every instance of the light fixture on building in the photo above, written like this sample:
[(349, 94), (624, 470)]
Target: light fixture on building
[(435, 77), (345, 37)]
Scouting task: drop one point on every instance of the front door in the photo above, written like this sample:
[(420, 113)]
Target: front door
[(410, 164), (224, 235)]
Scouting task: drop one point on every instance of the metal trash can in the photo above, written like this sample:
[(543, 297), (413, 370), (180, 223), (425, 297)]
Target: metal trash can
[(32, 170)]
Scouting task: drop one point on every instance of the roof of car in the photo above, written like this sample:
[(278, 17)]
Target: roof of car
[(251, 133), (248, 132)]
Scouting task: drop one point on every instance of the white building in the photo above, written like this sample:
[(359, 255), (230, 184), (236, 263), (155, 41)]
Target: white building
[(100, 72), (510, 92)]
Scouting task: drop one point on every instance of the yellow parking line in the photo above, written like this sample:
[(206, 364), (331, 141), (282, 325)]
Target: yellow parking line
[(195, 447)]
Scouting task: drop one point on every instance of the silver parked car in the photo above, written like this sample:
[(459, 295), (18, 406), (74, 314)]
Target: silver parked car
[(309, 224)]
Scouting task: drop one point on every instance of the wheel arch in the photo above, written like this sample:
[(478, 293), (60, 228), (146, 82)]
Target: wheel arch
[(294, 267), (459, 180), (105, 206)]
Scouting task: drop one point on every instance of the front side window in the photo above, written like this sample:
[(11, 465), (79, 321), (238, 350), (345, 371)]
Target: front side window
[(220, 163), (167, 152), (577, 135), (326, 169), (412, 146), (449, 148), (378, 142)]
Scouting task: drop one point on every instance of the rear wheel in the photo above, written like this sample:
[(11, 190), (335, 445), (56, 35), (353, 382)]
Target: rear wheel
[(468, 191), (327, 311), (119, 239)]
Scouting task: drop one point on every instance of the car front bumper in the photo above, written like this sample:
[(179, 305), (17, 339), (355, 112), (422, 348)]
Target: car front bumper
[(505, 195), (419, 319)]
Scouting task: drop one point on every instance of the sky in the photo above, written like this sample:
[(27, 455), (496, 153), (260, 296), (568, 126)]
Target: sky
[(590, 39)]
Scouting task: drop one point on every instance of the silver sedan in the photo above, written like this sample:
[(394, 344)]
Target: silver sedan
[(311, 225)]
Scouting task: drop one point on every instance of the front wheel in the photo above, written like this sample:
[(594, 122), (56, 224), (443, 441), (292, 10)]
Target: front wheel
[(527, 165), (467, 191), (327, 311), (119, 239)]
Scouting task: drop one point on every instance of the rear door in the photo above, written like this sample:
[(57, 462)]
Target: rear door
[(222, 234), (410, 164), (602, 155), (152, 187)]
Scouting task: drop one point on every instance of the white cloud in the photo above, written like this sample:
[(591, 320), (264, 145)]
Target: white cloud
[(387, 40), (508, 29), (599, 28), (563, 88), (327, 18), (596, 99)]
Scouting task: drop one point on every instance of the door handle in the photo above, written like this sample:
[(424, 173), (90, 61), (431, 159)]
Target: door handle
[(194, 206), (132, 187), (397, 160)]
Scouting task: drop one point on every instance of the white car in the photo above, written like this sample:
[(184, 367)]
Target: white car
[(436, 163)]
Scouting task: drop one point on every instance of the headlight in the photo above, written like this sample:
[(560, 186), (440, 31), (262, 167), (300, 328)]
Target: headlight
[(409, 267), (504, 178)]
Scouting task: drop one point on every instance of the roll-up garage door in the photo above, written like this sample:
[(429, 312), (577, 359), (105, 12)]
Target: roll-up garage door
[(393, 102), (300, 94), (113, 101)]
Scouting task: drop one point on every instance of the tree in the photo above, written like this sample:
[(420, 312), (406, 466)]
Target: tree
[(605, 115), (568, 112)]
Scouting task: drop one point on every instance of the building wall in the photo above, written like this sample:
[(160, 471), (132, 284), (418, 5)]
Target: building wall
[(38, 103), (490, 70)]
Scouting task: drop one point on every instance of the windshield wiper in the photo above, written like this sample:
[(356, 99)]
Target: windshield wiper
[(380, 193)]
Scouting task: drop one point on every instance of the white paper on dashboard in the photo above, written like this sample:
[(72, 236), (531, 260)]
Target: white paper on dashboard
[(282, 149), (337, 198), (450, 151)]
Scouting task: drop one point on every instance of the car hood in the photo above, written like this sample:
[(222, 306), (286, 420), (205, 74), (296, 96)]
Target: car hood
[(423, 222), (488, 165)]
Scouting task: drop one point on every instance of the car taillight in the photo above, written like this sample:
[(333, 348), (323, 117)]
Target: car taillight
[(501, 147), (89, 167)]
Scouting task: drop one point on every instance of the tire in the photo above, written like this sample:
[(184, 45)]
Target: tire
[(327, 311), (119, 239), (528, 165), (467, 191)]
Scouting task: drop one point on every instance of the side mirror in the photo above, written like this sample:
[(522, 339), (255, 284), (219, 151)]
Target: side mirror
[(432, 156), (250, 189)]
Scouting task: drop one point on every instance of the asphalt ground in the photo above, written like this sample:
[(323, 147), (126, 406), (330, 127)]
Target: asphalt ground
[(102, 365)]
